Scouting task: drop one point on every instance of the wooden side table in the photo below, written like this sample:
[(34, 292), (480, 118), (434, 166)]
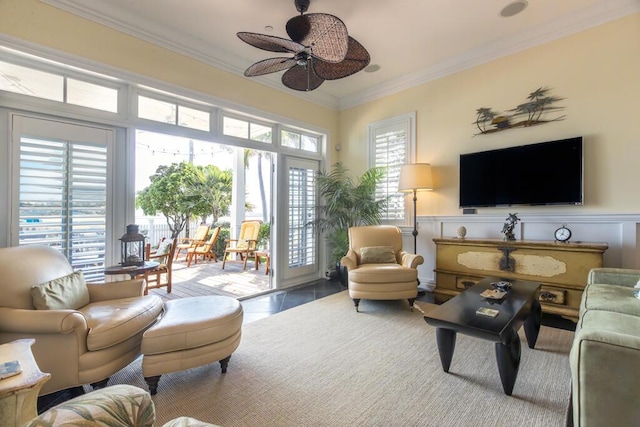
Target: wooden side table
[(265, 254), (132, 270), (19, 393)]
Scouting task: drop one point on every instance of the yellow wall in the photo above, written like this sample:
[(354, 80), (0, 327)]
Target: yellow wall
[(597, 71), (47, 26)]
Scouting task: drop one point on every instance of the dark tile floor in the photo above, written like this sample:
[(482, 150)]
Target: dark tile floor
[(262, 306)]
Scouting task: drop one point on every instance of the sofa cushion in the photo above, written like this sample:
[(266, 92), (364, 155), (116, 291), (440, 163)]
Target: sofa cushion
[(377, 255), (114, 321), (615, 298), (68, 292), (383, 273)]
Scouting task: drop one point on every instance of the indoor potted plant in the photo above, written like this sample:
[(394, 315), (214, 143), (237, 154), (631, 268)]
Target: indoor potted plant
[(347, 202)]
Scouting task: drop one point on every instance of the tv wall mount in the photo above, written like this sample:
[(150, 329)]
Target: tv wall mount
[(531, 113)]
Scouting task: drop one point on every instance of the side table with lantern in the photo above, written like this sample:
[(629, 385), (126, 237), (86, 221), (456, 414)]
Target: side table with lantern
[(132, 258)]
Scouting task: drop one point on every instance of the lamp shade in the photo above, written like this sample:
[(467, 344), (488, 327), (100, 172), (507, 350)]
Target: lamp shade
[(416, 176)]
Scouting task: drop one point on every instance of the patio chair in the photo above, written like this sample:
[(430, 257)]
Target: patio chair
[(164, 256), (245, 244), (189, 242), (206, 250)]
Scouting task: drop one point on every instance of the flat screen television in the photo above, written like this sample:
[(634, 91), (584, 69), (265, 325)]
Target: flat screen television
[(547, 173)]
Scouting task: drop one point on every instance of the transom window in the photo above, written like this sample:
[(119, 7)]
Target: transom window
[(173, 113), (246, 129), (299, 141), (57, 87)]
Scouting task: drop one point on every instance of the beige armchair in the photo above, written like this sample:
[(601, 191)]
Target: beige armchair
[(83, 332), (378, 268)]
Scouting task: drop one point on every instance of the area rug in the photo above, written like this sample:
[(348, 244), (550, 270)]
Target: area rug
[(323, 364)]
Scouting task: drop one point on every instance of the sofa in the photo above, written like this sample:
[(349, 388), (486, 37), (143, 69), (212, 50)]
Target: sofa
[(84, 332), (119, 405), (605, 354)]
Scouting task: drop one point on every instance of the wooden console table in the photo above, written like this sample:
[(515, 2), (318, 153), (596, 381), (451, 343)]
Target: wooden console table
[(561, 268), (19, 393)]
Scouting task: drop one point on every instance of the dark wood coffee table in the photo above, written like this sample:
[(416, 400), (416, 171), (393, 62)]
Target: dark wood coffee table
[(520, 306)]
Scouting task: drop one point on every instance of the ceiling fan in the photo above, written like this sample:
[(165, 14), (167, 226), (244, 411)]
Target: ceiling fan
[(320, 46)]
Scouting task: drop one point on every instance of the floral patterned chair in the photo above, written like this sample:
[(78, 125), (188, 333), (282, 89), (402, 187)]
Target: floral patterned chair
[(118, 405)]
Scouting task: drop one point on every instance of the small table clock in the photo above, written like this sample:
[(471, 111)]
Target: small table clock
[(562, 234)]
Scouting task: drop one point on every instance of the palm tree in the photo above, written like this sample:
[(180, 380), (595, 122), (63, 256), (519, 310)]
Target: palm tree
[(259, 155), (347, 203), (211, 192)]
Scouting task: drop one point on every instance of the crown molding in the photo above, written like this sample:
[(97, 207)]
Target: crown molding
[(186, 45), (555, 30), (183, 44)]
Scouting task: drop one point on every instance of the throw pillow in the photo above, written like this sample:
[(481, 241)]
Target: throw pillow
[(377, 255), (68, 292), (163, 249)]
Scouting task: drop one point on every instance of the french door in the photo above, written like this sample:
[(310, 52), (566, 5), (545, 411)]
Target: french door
[(300, 262), (61, 191)]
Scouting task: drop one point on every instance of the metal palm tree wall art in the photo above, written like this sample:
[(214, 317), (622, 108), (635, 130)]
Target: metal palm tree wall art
[(529, 114)]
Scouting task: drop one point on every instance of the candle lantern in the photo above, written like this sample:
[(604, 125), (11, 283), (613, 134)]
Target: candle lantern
[(132, 246)]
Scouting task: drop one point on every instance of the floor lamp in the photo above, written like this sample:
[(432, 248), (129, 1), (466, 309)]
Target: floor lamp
[(414, 178)]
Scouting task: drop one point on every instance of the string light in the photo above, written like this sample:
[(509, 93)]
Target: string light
[(177, 152)]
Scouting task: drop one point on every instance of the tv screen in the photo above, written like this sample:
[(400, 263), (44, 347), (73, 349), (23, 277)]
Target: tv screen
[(548, 173)]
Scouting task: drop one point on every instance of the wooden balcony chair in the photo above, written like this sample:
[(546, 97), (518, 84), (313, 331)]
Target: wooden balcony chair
[(206, 250), (245, 244), (160, 276), (189, 242)]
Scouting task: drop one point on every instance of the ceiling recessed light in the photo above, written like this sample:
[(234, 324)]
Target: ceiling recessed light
[(268, 28), (372, 68), (514, 8)]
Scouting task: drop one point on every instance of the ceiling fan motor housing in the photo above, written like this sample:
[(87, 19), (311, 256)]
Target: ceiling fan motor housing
[(302, 5)]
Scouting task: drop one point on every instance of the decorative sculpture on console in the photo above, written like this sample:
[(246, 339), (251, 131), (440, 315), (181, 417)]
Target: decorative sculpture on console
[(508, 227)]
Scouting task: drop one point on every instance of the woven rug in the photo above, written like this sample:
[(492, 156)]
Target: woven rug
[(323, 364)]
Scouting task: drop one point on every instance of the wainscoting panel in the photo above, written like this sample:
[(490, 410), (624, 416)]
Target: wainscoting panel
[(620, 232)]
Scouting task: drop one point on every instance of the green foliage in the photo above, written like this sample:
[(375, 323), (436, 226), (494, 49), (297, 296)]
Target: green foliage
[(211, 192), (168, 194), (347, 203), (264, 235), (225, 233)]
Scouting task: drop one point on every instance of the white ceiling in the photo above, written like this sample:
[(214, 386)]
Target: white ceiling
[(413, 41)]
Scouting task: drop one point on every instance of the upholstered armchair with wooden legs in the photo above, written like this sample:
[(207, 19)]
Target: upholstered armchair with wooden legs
[(378, 268), (84, 332), (198, 238), (245, 244), (205, 250), (160, 276)]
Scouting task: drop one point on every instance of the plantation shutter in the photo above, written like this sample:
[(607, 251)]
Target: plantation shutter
[(390, 148), (63, 200), (302, 211)]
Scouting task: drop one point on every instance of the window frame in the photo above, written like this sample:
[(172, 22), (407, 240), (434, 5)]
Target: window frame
[(405, 123)]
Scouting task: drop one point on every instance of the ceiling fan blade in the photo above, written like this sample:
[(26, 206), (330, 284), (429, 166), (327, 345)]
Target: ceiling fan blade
[(357, 58), (270, 43), (326, 35), (271, 65), (301, 78)]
